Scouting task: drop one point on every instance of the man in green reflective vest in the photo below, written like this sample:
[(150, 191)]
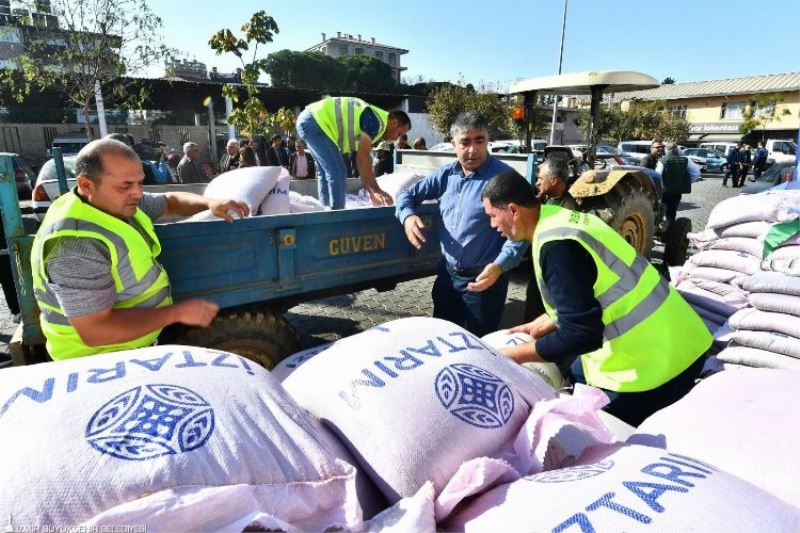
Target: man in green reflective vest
[(95, 275), (335, 127), (633, 335)]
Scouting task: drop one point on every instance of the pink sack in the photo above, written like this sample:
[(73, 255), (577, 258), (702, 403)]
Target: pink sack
[(627, 488), (744, 422), (174, 438)]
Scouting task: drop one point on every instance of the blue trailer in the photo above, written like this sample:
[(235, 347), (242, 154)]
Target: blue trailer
[(258, 267)]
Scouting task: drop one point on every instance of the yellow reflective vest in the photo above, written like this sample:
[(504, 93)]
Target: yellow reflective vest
[(650, 333), (339, 118), (138, 278)]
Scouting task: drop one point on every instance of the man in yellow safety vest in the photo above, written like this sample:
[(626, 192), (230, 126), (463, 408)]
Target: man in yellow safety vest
[(333, 128), (636, 337)]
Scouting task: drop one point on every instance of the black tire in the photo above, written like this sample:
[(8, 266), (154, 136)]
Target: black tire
[(633, 217), (253, 331), (676, 245)]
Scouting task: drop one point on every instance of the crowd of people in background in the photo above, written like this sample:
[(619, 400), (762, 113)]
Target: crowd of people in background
[(741, 159)]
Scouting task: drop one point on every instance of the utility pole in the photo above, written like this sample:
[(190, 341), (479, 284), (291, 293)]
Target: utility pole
[(560, 63)]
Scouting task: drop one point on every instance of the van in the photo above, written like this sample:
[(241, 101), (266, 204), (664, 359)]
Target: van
[(69, 144), (720, 147), (636, 149)]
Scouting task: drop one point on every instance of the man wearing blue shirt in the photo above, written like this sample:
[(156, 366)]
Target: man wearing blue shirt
[(472, 283)]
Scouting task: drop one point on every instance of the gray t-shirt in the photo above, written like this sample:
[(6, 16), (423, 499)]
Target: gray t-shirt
[(79, 269)]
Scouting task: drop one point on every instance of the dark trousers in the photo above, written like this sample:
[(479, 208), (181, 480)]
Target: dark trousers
[(758, 168), (743, 174), (477, 312), (634, 407), (733, 172), (671, 202)]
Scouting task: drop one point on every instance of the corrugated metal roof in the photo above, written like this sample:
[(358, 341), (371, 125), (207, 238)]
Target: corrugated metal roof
[(789, 81)]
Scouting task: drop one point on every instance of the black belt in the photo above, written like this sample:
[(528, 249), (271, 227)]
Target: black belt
[(465, 272)]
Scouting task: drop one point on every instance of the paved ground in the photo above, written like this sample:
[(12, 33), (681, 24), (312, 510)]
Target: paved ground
[(332, 318)]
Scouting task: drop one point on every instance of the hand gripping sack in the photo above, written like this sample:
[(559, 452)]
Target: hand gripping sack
[(627, 488), (249, 185), (548, 372), (174, 438), (415, 399)]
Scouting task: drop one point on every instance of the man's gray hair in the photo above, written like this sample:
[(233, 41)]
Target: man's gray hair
[(671, 149), (469, 121), (89, 161), (188, 146), (232, 142), (556, 167)]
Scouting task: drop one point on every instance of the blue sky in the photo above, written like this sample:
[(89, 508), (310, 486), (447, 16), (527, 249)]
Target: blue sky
[(498, 41)]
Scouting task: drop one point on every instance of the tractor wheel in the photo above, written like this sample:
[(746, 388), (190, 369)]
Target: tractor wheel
[(676, 245), (634, 219), (254, 332)]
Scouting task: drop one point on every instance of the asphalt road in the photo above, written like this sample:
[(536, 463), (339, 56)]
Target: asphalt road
[(329, 319)]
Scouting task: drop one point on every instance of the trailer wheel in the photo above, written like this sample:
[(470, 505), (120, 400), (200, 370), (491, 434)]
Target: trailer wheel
[(676, 245), (634, 219), (253, 331)]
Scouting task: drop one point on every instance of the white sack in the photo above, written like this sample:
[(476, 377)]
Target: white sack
[(736, 354), (397, 182), (728, 260), (288, 365), (165, 434), (754, 247), (627, 488), (277, 200), (769, 341), (300, 203), (548, 372), (780, 303), (249, 185), (750, 208), (754, 319), (772, 282), (402, 393), (745, 422)]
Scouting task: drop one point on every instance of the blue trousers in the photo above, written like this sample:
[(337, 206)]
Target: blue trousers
[(634, 407), (477, 312), (332, 184)]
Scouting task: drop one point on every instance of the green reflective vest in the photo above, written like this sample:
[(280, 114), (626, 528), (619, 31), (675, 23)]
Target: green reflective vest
[(339, 119), (650, 333), (138, 279)]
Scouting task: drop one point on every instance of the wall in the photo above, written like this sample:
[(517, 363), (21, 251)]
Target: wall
[(421, 127)]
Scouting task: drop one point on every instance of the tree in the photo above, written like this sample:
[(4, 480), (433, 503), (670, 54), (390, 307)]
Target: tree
[(365, 73), (252, 117), (642, 120), (447, 101), (761, 110), (315, 70), (668, 81), (95, 43)]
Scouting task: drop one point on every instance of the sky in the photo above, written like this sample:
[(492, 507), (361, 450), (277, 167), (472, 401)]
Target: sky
[(500, 41)]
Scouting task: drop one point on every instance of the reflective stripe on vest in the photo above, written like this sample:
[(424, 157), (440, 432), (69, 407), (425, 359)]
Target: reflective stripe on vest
[(650, 333), (339, 117), (629, 277), (139, 281)]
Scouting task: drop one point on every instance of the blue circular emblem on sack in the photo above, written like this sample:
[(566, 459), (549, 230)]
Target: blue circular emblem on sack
[(151, 421), (475, 395), (573, 473)]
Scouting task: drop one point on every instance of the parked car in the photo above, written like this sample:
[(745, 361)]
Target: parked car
[(46, 189), (774, 175), (722, 148), (599, 149), (635, 149), (709, 160), (23, 175)]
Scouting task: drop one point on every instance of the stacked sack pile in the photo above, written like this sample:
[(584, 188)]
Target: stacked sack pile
[(745, 283), (414, 425)]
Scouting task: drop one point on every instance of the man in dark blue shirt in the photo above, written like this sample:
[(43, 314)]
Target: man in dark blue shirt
[(472, 284), (733, 167)]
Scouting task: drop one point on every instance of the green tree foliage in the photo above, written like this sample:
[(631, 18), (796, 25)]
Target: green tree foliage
[(315, 70), (96, 42), (447, 101), (251, 116), (762, 109), (642, 120)]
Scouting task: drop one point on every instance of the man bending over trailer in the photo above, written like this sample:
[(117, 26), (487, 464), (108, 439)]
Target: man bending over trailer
[(95, 274), (633, 335)]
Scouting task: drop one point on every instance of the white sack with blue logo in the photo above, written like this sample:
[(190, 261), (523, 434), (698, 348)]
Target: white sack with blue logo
[(548, 372), (627, 488), (291, 363), (176, 438), (249, 185), (277, 200), (421, 399)]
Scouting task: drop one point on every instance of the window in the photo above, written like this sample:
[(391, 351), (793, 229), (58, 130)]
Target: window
[(763, 111), (732, 110), (679, 110), (392, 58), (379, 54), (359, 51)]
